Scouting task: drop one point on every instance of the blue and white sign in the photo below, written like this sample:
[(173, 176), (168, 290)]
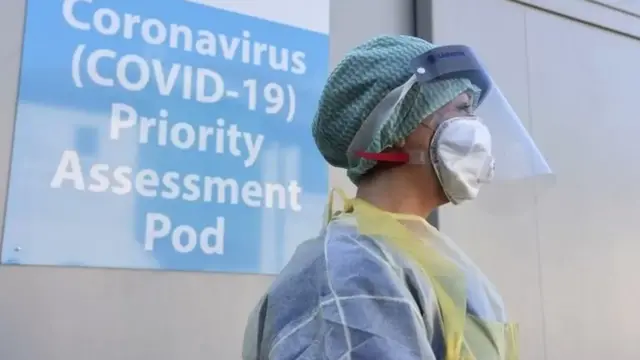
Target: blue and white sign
[(168, 134)]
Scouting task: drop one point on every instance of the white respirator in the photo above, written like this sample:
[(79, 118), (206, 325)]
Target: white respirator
[(461, 157)]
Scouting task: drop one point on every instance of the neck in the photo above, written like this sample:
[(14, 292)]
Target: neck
[(400, 191)]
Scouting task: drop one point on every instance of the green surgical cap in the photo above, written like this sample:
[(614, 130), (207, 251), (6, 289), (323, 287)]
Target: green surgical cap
[(359, 82)]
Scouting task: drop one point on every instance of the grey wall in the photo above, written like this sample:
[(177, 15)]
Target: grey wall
[(566, 268), (74, 314)]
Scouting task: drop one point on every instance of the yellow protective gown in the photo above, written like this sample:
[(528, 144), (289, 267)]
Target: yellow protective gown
[(376, 285)]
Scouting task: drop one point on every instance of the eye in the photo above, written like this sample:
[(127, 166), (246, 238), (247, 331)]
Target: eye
[(465, 108)]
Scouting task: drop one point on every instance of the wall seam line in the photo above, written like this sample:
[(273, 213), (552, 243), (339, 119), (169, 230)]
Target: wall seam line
[(535, 193)]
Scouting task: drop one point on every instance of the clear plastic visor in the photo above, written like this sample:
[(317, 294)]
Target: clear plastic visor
[(520, 168), (516, 155), (521, 171)]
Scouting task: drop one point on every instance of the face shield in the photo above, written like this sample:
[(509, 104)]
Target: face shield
[(520, 169)]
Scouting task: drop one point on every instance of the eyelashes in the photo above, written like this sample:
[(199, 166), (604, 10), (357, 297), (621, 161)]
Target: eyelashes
[(466, 108)]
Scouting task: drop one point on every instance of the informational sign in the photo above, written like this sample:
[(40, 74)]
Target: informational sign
[(168, 134)]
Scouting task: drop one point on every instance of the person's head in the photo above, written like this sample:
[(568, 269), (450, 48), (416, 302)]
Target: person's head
[(354, 91)]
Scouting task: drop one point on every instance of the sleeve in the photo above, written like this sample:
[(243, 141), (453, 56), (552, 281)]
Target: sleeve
[(365, 310)]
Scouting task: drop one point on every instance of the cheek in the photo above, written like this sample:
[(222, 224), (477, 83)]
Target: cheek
[(427, 140), (451, 112), (420, 139)]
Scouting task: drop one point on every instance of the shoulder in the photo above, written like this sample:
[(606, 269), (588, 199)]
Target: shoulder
[(342, 262), (358, 264), (343, 285)]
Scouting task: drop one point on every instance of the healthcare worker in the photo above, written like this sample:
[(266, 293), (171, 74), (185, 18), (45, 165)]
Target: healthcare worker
[(416, 126)]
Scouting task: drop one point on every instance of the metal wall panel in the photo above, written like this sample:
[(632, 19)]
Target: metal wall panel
[(566, 268), (618, 16)]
